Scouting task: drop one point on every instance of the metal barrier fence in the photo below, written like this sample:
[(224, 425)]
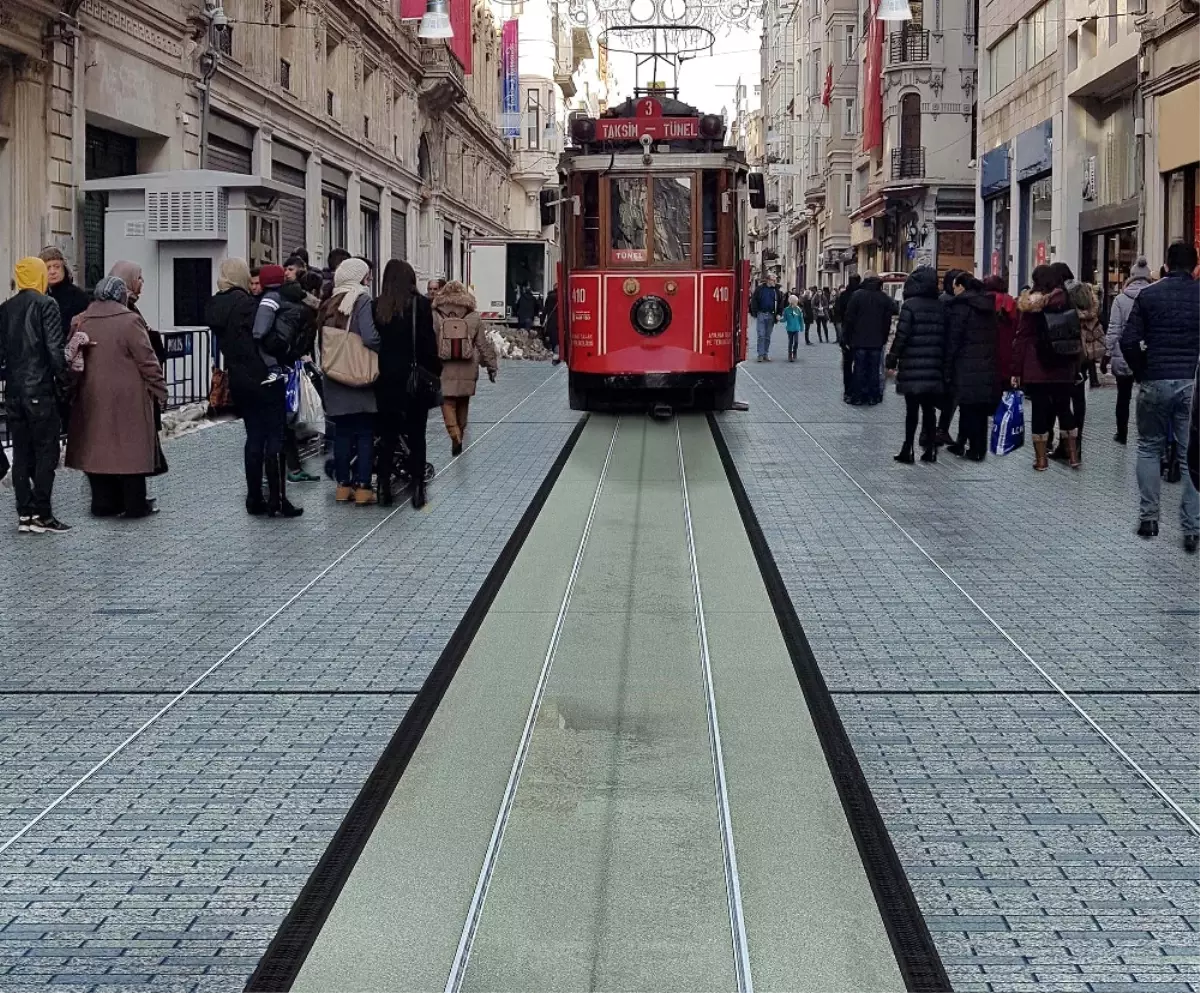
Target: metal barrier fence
[(188, 371)]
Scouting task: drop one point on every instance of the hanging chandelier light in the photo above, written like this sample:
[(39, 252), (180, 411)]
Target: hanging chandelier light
[(718, 16)]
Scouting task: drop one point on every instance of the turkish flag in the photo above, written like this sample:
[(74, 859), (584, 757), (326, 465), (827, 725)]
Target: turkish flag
[(410, 10), (460, 44), (827, 96)]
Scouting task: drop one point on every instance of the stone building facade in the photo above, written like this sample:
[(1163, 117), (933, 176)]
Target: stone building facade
[(389, 147)]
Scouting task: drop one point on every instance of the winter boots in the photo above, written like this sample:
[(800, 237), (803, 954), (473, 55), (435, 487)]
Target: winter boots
[(1041, 443), (277, 501), (1073, 457), (906, 454)]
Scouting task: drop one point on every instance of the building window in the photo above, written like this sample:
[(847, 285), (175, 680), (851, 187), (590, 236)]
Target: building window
[(533, 106), (367, 126), (850, 44), (285, 75), (1002, 63), (816, 71), (369, 245), (224, 38), (330, 103), (847, 193), (1041, 33), (849, 116), (333, 221)]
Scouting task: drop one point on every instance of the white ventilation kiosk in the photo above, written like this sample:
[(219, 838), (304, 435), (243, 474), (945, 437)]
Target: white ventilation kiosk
[(179, 226)]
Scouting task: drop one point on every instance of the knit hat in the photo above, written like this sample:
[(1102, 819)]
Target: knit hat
[(272, 276), (348, 283), (1140, 268)]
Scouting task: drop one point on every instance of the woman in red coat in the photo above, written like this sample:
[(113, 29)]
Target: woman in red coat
[(1006, 328)]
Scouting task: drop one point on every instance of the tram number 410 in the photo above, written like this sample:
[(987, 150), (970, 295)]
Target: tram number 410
[(721, 294), (579, 295)]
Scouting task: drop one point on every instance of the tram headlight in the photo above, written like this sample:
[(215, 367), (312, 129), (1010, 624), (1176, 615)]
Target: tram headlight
[(651, 315)]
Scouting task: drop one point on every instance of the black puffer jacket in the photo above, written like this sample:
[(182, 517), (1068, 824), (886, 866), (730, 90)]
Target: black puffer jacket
[(920, 343), (231, 316), (1165, 317), (869, 316), (971, 347), (32, 347), (71, 300)]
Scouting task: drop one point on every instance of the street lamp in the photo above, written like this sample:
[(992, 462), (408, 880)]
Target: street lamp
[(894, 10), (435, 22)]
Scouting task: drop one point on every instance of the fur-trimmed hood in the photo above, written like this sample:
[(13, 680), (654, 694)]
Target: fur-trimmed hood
[(454, 299), (1034, 303)]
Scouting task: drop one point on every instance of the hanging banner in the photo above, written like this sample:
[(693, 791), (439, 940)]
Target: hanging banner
[(460, 23), (410, 10), (510, 81), (872, 83)]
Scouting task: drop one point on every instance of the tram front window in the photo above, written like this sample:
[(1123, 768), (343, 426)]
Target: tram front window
[(628, 219), (672, 219)]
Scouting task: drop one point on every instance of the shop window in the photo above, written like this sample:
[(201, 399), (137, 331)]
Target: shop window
[(1183, 206), (1039, 208), (995, 223)]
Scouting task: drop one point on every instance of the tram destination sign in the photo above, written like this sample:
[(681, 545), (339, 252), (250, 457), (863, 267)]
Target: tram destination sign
[(657, 128)]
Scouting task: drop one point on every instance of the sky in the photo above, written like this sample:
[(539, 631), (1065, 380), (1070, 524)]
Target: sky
[(707, 82)]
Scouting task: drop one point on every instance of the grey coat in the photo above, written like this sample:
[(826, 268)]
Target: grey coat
[(341, 400), (1117, 318)]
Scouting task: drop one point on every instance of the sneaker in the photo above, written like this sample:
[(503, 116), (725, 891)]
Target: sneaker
[(1148, 529), (300, 476), (48, 525), (1191, 543), (25, 525)]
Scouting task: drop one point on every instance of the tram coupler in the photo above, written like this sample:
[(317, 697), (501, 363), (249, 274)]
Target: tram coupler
[(662, 411)]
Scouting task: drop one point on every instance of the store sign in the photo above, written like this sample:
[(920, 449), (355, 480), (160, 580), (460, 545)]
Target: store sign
[(995, 268), (1040, 255), (510, 80)]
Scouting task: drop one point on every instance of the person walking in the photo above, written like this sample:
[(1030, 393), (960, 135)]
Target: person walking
[(33, 350), (550, 324), (946, 406), (808, 307), (408, 367), (352, 409), (839, 321), (1083, 299), (794, 324), (1118, 317), (1046, 356), (527, 308), (112, 436), (821, 307), (463, 347), (867, 329), (1006, 328), (919, 353), (766, 306), (1161, 344), (971, 363)]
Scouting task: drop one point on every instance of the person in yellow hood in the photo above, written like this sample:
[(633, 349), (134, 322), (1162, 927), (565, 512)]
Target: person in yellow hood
[(32, 347)]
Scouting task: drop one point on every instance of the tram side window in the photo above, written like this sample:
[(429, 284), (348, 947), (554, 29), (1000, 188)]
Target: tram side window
[(628, 218), (591, 220), (711, 213), (672, 218)]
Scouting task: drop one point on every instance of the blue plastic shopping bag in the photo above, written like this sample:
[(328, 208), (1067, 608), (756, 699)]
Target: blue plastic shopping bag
[(293, 388), (1008, 424)]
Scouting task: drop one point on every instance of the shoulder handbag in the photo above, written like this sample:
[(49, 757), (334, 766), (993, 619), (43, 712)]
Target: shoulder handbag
[(423, 386), (345, 359)]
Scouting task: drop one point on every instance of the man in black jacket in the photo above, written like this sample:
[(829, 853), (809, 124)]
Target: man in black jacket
[(868, 325), (839, 327), (71, 300), (33, 349), (1161, 344)]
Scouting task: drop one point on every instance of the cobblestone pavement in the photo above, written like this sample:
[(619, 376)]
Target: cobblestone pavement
[(1041, 857), (172, 865)]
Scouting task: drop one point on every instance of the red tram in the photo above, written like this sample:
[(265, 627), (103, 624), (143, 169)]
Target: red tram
[(653, 289)]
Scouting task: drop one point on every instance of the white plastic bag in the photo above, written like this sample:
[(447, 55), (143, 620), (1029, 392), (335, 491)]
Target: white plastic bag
[(311, 415)]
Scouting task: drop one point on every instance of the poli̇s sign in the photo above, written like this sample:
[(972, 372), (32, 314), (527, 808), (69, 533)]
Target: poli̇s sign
[(510, 82)]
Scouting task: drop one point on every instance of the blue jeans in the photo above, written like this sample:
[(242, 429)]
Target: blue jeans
[(868, 387), (354, 437), (766, 324), (1164, 405)]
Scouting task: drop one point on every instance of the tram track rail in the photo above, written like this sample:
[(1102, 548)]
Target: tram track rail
[(1056, 687), (180, 695)]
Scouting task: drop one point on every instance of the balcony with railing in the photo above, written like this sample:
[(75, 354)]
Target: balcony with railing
[(908, 162), (908, 48)]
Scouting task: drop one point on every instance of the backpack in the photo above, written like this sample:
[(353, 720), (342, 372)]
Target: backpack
[(454, 341), (1061, 336)]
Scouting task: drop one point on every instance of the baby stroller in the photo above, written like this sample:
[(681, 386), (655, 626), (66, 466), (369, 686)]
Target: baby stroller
[(399, 468)]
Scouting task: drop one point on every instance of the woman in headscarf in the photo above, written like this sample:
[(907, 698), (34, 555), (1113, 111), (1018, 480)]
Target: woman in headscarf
[(352, 408), (262, 406), (112, 436)]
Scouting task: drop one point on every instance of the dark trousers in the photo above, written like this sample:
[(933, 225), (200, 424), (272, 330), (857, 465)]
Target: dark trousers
[(847, 371), (946, 402), (353, 442), (291, 450), (823, 328), (867, 387), (794, 342), (924, 404), (410, 422), (973, 426), (34, 427), (113, 495), (1124, 395), (1078, 405), (265, 419), (1051, 400)]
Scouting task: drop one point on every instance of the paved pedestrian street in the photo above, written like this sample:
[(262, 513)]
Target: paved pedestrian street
[(190, 704)]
